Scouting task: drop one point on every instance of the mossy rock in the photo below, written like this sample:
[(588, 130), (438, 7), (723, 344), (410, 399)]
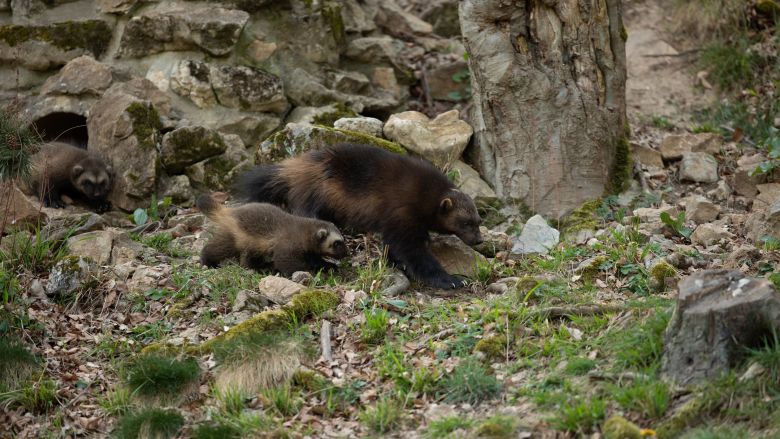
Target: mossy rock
[(622, 168), (146, 124), (618, 427), (659, 272), (91, 35), (296, 139), (494, 347), (581, 218), (340, 110), (188, 145), (304, 305), (489, 210), (590, 268)]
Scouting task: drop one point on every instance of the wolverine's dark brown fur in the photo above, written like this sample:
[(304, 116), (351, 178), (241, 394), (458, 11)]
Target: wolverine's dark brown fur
[(372, 190), (258, 232), (61, 169)]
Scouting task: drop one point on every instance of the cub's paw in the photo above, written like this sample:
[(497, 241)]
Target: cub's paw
[(102, 207), (447, 282), (53, 202)]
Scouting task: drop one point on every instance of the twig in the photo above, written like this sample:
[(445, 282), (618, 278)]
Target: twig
[(616, 377), (425, 89), (577, 310), (145, 227), (641, 176), (667, 55), (325, 341)]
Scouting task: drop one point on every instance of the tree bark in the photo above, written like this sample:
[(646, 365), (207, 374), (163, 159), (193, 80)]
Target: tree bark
[(548, 81)]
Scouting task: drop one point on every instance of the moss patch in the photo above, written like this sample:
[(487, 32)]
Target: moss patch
[(581, 218), (620, 177), (92, 35), (618, 427), (329, 118), (659, 272), (493, 347), (146, 124)]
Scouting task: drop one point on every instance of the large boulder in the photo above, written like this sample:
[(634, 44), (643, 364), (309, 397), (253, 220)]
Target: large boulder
[(214, 30), (18, 211), (125, 130), (456, 257), (241, 87), (186, 146), (80, 76), (394, 20), (219, 172), (44, 47), (440, 140), (295, 139), (536, 237), (719, 313), (468, 180)]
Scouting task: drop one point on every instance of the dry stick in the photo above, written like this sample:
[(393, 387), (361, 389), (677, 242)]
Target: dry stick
[(641, 176), (325, 341), (425, 88), (665, 55), (437, 336), (616, 377)]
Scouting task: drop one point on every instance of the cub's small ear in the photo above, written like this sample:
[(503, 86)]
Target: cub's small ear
[(445, 205), (77, 170), (322, 234)]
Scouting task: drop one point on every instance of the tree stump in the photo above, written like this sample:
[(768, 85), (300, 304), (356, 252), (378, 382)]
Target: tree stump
[(549, 115), (719, 313)]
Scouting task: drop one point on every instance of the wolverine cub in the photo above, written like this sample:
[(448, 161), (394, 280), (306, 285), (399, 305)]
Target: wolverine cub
[(256, 232), (61, 169), (372, 190)]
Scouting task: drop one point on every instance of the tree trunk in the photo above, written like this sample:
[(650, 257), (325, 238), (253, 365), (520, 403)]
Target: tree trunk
[(549, 91)]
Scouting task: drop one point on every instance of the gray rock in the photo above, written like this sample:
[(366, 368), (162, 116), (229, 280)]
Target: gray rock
[(700, 210), (115, 6), (313, 115), (721, 193), (306, 89), (536, 237), (699, 167), (220, 171), (355, 17), (440, 140), (278, 289), (192, 221), (96, 246), (709, 234), (675, 145), (397, 22), (744, 181), (70, 275), (18, 210), (45, 47), (248, 88), (468, 180), (247, 304), (366, 125), (80, 76), (450, 82), (177, 188), (125, 130), (301, 277), (349, 82), (651, 214), (718, 313), (744, 254), (72, 225), (215, 30), (455, 256), (188, 145)]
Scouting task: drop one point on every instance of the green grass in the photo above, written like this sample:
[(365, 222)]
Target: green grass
[(17, 364), (383, 417), (231, 401), (444, 427), (499, 427), (470, 382), (724, 432), (19, 144), (31, 254), (163, 243), (150, 422), (662, 122), (283, 400), (375, 327), (158, 376), (579, 416), (730, 65), (580, 366), (38, 397), (641, 346), (116, 402), (216, 431), (647, 398)]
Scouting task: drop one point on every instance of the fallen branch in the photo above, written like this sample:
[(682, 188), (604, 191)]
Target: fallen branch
[(616, 377), (398, 284), (437, 336), (325, 341)]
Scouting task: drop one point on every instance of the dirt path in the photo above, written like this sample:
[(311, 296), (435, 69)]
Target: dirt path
[(661, 79)]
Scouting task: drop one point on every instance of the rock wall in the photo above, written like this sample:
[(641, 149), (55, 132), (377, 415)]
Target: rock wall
[(137, 73)]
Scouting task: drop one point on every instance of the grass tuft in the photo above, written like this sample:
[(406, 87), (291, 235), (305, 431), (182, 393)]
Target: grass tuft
[(383, 417), (17, 364), (150, 422), (579, 416), (375, 327), (445, 427), (470, 382), (159, 376)]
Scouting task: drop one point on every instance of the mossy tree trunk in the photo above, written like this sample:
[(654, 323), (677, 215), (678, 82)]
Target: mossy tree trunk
[(549, 93)]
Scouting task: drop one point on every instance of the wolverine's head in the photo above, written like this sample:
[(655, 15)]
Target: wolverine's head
[(458, 215), (92, 177), (330, 241)]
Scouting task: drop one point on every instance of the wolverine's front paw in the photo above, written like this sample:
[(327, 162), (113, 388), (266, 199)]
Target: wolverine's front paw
[(53, 202), (102, 207), (447, 282)]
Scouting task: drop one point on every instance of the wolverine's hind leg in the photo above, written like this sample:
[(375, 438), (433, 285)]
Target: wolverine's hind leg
[(220, 247)]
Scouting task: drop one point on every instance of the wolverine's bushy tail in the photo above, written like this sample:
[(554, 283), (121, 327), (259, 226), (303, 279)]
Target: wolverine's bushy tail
[(262, 184), (208, 205)]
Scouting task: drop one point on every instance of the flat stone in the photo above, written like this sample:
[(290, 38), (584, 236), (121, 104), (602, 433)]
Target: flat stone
[(675, 145), (366, 125), (648, 157), (456, 257), (278, 289), (699, 167), (19, 211), (80, 76), (440, 140), (397, 22), (468, 180), (709, 234), (537, 237), (96, 246), (700, 210), (188, 145)]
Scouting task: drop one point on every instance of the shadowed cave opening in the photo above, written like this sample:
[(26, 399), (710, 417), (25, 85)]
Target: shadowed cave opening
[(63, 127)]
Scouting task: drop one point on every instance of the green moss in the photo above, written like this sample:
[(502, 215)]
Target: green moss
[(581, 218), (620, 177), (493, 347), (687, 415), (331, 12), (618, 427), (311, 303), (308, 381), (146, 124), (92, 35), (327, 119), (592, 269), (623, 32), (497, 427), (661, 270)]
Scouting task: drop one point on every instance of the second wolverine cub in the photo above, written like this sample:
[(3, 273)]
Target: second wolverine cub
[(257, 234)]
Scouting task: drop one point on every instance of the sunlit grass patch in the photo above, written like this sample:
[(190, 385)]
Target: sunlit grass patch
[(155, 376), (17, 364), (150, 423), (382, 417), (470, 382)]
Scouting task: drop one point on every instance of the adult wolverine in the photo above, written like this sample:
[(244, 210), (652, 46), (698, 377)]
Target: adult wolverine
[(368, 189)]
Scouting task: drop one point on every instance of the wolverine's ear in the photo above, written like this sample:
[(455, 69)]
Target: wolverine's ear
[(322, 234), (445, 205), (77, 170)]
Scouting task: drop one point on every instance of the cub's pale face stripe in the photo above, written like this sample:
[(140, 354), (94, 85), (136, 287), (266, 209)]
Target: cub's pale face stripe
[(332, 243)]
